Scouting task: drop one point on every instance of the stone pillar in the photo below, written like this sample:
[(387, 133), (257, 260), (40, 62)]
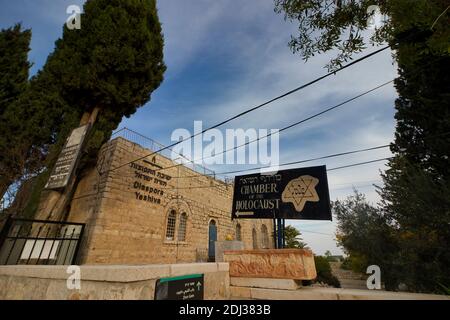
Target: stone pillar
[(227, 245)]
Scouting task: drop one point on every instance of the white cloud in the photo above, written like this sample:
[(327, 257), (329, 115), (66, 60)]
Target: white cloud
[(251, 41), (245, 46)]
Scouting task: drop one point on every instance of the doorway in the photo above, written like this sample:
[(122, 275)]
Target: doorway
[(212, 238)]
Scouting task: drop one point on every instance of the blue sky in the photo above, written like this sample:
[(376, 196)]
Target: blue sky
[(225, 56)]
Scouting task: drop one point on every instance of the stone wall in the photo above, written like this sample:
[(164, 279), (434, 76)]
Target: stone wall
[(297, 264), (106, 282), (126, 206), (137, 282)]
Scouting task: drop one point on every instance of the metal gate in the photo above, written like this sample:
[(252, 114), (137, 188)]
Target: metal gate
[(25, 241)]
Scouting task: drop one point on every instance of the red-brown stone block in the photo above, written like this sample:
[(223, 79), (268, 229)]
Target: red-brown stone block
[(295, 264)]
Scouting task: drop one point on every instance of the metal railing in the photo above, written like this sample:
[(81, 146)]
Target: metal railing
[(26, 241), (152, 145)]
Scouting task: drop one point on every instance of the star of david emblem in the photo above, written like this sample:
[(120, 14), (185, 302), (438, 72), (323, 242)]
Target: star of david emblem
[(300, 190)]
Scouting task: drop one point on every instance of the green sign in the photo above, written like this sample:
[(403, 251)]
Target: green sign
[(188, 287)]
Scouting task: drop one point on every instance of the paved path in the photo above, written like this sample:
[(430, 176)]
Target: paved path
[(327, 294), (348, 278)]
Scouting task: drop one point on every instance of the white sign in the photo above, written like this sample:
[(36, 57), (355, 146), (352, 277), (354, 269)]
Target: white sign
[(40, 249), (67, 160)]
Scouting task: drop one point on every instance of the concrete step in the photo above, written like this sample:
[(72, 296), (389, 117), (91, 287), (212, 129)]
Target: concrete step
[(306, 293), (353, 284), (267, 283)]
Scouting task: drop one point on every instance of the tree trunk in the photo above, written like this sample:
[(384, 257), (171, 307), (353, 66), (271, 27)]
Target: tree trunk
[(60, 200), (89, 117), (22, 197), (4, 185)]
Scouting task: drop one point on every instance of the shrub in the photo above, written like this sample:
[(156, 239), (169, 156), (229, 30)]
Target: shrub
[(355, 263), (324, 273)]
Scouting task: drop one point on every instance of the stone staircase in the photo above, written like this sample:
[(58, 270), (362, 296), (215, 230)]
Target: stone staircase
[(348, 278)]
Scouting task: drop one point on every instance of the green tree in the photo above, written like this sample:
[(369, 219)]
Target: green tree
[(416, 192), (415, 195), (329, 256), (293, 238), (355, 262), (30, 128), (112, 64), (343, 25), (14, 65), (14, 68), (33, 114), (363, 231), (105, 70), (33, 130), (324, 272), (420, 206)]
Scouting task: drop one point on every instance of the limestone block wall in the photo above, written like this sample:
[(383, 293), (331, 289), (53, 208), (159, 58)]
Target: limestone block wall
[(106, 282), (126, 206)]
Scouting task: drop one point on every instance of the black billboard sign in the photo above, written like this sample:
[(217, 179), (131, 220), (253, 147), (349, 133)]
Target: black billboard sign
[(188, 287), (300, 193)]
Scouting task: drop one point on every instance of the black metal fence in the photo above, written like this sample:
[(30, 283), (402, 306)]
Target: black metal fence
[(25, 241)]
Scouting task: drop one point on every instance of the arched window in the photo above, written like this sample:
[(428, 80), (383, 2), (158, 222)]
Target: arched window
[(264, 237), (171, 222), (238, 232), (255, 239), (182, 227)]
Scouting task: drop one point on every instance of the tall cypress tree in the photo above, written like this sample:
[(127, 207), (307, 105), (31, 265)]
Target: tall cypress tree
[(115, 61), (416, 192), (416, 195), (110, 66), (32, 127), (32, 113), (14, 67)]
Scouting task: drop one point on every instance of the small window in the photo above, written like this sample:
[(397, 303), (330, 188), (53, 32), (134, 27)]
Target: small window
[(264, 237), (171, 222), (238, 232), (255, 239), (182, 227)]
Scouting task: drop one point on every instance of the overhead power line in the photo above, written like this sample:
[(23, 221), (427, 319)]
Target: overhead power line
[(314, 159), (258, 106), (316, 232), (354, 186), (332, 169), (287, 127), (225, 186), (283, 164), (262, 104), (282, 129), (309, 160), (359, 164), (296, 162)]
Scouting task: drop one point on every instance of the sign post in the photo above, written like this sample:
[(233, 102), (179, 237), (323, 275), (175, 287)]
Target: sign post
[(280, 236), (188, 287)]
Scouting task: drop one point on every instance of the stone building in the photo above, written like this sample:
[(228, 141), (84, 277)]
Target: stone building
[(154, 210)]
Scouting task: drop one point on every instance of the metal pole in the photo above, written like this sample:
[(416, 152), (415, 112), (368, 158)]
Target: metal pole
[(5, 230), (275, 232), (280, 234)]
